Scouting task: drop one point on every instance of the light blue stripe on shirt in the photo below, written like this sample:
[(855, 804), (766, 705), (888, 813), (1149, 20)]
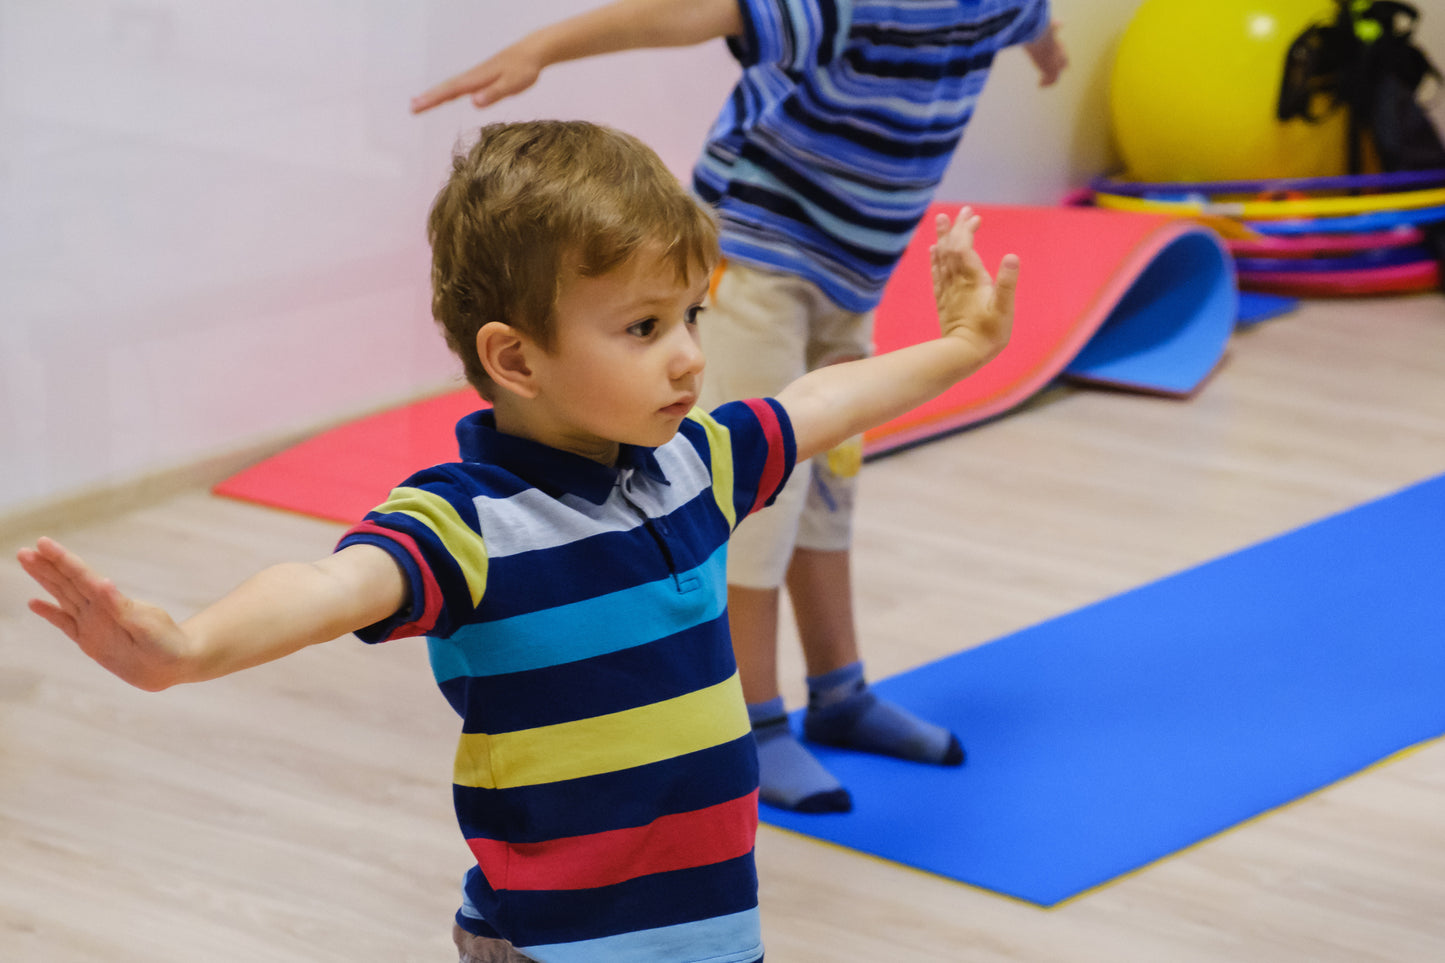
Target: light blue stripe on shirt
[(581, 630), (703, 940)]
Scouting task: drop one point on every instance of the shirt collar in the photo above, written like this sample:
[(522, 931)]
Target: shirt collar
[(552, 470)]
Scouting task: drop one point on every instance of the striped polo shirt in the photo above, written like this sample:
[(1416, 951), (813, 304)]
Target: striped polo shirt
[(605, 778), (829, 149)]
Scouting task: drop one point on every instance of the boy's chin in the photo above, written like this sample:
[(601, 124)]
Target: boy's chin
[(653, 437)]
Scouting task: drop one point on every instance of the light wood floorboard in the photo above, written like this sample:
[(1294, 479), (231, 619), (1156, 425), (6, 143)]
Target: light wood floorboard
[(300, 812)]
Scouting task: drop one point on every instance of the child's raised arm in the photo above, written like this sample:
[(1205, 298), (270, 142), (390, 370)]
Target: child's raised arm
[(272, 614), (832, 404), (624, 25)]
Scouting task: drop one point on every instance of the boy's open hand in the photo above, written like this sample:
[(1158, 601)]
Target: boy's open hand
[(1048, 55), (510, 72), (971, 305), (138, 642)]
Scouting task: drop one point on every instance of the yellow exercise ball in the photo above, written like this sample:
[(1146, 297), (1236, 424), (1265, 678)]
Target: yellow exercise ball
[(1195, 87)]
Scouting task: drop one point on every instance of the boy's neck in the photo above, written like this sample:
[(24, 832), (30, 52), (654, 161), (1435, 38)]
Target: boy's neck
[(512, 418)]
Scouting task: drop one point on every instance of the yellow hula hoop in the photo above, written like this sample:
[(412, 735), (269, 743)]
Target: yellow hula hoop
[(1265, 210)]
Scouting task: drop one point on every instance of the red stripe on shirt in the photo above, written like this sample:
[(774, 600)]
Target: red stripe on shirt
[(772, 474), (432, 594), (682, 841)]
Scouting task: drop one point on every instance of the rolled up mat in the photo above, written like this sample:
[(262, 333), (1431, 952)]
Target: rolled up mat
[(1142, 302)]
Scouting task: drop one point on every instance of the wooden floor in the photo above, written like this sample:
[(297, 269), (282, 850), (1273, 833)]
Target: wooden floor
[(300, 812)]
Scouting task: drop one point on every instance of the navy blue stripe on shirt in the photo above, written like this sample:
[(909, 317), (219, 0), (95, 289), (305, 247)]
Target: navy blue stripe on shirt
[(933, 35), (527, 814), (641, 675), (649, 902)]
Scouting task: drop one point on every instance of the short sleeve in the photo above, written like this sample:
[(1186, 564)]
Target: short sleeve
[(794, 35), (762, 451), (1033, 17), (428, 526)]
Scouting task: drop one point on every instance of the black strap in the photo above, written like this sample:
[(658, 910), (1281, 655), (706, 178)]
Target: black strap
[(1366, 62)]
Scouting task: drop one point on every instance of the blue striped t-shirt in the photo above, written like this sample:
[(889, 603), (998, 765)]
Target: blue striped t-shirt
[(605, 778), (829, 149)]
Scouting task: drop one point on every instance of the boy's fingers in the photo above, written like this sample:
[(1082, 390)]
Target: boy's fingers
[(449, 89), (964, 222), (54, 616), (73, 583), (44, 572), (430, 98), (488, 94), (70, 568), (967, 225), (1006, 284)]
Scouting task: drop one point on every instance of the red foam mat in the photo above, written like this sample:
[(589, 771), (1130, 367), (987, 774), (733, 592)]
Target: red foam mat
[(343, 473)]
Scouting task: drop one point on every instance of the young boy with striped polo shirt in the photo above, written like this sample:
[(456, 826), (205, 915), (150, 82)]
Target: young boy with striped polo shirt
[(820, 164), (569, 571)]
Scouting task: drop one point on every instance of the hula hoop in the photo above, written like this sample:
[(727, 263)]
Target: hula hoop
[(1355, 224), (1257, 210), (1389, 280), (1312, 245), (1382, 257), (1391, 180)]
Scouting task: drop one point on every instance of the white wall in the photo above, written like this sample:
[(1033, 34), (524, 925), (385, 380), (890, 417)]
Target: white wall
[(211, 214)]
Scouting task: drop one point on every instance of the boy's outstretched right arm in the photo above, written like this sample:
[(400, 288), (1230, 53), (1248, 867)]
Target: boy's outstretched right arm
[(272, 614), (829, 405), (623, 25)]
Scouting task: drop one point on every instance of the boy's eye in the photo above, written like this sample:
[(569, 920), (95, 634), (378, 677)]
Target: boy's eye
[(693, 312), (643, 328)]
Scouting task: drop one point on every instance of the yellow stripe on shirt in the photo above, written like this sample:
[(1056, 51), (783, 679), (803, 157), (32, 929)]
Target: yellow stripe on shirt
[(461, 540), (721, 451), (608, 743)]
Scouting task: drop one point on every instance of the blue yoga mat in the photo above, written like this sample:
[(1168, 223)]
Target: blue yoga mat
[(1106, 739)]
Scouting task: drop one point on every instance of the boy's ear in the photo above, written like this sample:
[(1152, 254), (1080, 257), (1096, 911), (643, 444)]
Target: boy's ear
[(506, 353)]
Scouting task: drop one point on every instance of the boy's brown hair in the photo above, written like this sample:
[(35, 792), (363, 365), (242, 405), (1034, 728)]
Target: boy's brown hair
[(534, 203)]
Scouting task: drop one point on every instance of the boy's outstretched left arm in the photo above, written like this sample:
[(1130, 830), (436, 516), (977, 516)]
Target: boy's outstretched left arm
[(832, 404), (612, 27)]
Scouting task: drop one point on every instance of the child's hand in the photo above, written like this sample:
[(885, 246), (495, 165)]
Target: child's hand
[(971, 305), (1048, 55), (138, 642), (509, 72)]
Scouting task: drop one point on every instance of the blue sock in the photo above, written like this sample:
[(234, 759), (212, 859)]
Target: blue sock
[(844, 712), (791, 777)]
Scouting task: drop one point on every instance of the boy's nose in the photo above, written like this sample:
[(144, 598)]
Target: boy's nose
[(687, 357)]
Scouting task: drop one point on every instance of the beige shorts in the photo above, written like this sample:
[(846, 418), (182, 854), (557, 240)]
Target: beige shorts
[(762, 331)]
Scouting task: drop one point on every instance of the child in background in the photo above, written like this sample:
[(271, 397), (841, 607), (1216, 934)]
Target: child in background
[(568, 571), (821, 164)]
